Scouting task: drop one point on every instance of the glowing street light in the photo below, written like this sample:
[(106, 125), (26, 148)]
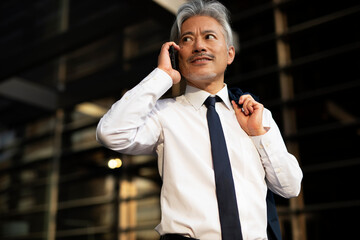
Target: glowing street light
[(114, 163)]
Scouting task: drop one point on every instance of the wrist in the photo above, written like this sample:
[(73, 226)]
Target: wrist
[(257, 132), (173, 74)]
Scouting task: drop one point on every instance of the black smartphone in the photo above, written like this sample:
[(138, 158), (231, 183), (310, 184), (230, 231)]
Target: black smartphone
[(173, 58)]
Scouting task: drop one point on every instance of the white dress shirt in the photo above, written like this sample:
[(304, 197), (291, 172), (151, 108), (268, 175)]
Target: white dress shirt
[(176, 129)]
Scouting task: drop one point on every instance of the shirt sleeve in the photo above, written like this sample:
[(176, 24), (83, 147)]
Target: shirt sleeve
[(132, 126), (283, 173)]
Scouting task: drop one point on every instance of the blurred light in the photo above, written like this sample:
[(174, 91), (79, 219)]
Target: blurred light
[(91, 109), (170, 5), (114, 163)]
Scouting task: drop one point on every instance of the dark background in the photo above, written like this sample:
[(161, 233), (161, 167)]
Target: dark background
[(63, 63)]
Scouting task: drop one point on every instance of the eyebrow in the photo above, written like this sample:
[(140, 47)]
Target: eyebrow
[(202, 33)]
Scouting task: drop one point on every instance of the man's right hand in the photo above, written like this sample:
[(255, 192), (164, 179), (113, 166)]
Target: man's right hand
[(164, 61)]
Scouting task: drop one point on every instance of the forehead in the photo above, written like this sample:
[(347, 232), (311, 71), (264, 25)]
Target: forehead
[(201, 23)]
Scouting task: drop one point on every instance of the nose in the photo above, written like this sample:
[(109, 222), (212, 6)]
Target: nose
[(199, 46)]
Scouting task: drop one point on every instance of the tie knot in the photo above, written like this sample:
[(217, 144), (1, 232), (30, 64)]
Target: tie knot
[(210, 101)]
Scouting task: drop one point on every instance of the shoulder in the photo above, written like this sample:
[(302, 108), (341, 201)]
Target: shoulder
[(165, 102), (170, 102), (171, 106)]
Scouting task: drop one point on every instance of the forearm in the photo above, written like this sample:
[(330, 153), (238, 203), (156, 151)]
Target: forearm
[(120, 127), (283, 173)]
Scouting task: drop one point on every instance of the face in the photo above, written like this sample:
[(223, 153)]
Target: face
[(203, 55)]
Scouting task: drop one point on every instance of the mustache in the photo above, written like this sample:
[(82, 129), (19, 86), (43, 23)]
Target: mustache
[(191, 58)]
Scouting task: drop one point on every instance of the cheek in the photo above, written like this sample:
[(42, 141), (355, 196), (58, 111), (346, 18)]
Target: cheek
[(181, 61), (182, 65), (226, 58), (182, 58)]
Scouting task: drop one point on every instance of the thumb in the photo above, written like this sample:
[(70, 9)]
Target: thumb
[(238, 111), (240, 116)]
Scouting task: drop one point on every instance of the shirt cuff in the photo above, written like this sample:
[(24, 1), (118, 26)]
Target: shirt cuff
[(263, 142), (157, 81)]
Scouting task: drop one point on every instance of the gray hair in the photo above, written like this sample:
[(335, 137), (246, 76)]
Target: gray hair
[(212, 9)]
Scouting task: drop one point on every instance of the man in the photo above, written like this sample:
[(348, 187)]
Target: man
[(177, 131)]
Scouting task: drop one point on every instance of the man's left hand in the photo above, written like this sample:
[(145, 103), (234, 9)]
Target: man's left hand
[(250, 115)]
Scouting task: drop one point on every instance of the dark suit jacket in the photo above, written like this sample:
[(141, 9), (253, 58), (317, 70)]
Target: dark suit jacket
[(273, 226)]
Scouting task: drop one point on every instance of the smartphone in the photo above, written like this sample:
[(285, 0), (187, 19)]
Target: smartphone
[(173, 58)]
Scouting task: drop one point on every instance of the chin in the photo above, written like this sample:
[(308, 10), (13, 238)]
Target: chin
[(201, 76)]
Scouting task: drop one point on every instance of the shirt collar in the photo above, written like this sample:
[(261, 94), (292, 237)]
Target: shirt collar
[(197, 96)]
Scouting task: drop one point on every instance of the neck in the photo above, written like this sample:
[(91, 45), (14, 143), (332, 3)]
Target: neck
[(211, 87)]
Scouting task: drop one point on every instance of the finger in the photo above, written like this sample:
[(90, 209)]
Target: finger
[(248, 106), (238, 111), (257, 105), (251, 106), (164, 61), (177, 47), (244, 97), (258, 111), (166, 46)]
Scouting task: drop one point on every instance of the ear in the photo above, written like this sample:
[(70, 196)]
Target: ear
[(231, 55)]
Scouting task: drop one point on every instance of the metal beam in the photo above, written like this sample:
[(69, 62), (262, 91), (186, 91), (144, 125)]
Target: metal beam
[(24, 91), (73, 38), (298, 222)]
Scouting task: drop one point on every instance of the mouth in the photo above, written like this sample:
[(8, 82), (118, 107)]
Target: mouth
[(201, 58)]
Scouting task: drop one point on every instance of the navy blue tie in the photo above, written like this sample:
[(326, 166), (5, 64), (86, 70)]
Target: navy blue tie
[(225, 191)]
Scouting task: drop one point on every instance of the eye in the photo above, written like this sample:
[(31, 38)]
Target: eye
[(186, 39), (210, 36)]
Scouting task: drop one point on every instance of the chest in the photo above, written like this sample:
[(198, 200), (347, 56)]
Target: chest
[(186, 134)]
